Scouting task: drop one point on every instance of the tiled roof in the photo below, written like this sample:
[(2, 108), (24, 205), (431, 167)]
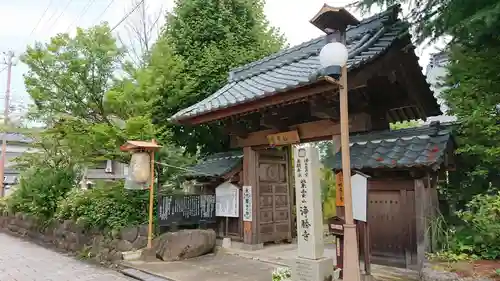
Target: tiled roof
[(300, 65), (216, 165), (16, 137), (407, 148)]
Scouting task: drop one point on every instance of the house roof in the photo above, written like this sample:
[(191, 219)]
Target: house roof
[(16, 137), (299, 65), (216, 165), (407, 148)]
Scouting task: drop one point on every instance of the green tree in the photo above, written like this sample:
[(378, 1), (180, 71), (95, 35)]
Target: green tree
[(473, 101), (405, 125), (209, 38), (78, 94), (471, 82), (468, 22)]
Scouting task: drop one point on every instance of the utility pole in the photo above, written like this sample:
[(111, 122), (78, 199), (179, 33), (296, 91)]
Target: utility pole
[(8, 62)]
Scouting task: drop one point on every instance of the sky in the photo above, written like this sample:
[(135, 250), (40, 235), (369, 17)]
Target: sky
[(21, 23)]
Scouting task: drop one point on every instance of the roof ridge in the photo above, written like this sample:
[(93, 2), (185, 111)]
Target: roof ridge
[(394, 9)]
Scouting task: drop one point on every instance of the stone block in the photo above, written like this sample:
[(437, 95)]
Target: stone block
[(124, 246), (143, 230), (140, 242), (129, 234), (185, 244), (312, 270)]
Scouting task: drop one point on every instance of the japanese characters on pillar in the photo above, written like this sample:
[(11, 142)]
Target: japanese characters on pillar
[(308, 203), (339, 182), (247, 203)]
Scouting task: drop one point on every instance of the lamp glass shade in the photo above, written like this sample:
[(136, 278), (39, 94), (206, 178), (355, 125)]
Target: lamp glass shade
[(140, 167), (333, 54)]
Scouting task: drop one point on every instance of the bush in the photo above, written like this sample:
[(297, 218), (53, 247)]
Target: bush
[(40, 190), (481, 230), (107, 206)]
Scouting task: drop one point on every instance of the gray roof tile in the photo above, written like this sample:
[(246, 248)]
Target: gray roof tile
[(416, 147), (16, 137), (299, 65), (216, 165)]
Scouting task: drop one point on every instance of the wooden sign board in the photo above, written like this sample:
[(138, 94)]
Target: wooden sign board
[(227, 199), (339, 195), (284, 138)]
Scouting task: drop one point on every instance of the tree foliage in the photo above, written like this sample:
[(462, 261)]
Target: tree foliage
[(207, 38), (467, 22), (473, 102), (87, 107)]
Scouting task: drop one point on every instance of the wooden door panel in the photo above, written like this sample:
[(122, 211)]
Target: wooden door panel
[(386, 223), (274, 196)]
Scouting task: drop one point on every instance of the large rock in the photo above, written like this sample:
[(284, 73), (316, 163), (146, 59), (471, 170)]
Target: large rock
[(129, 234), (184, 244)]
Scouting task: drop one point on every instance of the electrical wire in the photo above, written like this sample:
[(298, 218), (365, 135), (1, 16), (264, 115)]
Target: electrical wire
[(40, 20), (60, 14), (127, 15), (104, 12), (85, 10)]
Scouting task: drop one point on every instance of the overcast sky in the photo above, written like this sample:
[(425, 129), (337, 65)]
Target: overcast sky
[(19, 18)]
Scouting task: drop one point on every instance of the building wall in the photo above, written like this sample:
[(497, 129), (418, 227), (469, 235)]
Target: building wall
[(436, 71)]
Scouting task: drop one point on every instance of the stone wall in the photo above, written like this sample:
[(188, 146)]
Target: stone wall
[(72, 237), (429, 273)]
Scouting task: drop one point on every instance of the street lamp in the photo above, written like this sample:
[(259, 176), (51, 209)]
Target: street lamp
[(333, 59)]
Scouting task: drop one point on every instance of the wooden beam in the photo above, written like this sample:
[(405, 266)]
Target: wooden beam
[(323, 109), (233, 127), (250, 175), (273, 120), (312, 131)]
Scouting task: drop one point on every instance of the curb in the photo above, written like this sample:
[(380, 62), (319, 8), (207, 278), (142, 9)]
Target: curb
[(142, 274)]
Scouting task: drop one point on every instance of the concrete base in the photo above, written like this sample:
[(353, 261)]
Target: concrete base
[(312, 270)]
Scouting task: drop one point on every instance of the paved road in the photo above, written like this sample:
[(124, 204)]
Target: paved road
[(24, 261)]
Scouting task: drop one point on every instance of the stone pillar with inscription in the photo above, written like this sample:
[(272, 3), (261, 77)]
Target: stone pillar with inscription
[(310, 264)]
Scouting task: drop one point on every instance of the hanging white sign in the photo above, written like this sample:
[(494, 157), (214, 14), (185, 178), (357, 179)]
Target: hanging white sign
[(359, 184), (227, 200), (247, 203)]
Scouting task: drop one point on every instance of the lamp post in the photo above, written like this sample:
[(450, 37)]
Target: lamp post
[(136, 147), (333, 58)]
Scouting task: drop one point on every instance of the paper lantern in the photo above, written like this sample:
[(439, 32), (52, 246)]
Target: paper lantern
[(140, 167)]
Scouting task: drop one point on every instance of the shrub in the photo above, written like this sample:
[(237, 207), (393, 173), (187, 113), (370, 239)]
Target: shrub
[(39, 191), (107, 206), (481, 229)]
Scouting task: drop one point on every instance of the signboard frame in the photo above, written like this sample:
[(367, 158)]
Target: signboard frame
[(229, 191)]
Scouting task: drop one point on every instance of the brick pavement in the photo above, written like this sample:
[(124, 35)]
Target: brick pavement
[(24, 261)]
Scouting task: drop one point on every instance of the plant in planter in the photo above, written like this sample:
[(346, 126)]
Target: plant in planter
[(282, 274)]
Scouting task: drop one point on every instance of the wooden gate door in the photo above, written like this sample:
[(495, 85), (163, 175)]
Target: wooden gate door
[(391, 222), (274, 216)]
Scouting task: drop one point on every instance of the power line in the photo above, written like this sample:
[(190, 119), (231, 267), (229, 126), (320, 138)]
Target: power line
[(85, 10), (40, 20), (9, 63), (60, 14), (127, 15), (105, 10)]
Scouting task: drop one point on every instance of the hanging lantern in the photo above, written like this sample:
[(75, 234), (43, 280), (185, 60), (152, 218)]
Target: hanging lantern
[(140, 167)]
